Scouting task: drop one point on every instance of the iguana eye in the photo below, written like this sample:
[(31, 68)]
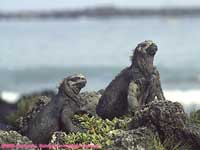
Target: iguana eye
[(143, 45), (75, 79)]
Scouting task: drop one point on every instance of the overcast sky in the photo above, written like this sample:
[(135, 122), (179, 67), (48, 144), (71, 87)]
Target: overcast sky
[(50, 4)]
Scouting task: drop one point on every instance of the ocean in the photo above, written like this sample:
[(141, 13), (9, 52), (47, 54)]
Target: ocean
[(36, 55)]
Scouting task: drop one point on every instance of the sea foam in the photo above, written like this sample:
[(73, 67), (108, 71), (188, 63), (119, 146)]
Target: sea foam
[(190, 99), (10, 97)]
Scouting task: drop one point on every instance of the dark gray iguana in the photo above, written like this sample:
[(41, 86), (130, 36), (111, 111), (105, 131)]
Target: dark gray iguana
[(56, 115), (134, 86)]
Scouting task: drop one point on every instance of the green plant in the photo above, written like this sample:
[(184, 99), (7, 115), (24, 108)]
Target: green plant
[(24, 105), (195, 117), (155, 144), (96, 131)]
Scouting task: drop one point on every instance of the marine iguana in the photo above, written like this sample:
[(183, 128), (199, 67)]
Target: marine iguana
[(56, 114), (134, 86)]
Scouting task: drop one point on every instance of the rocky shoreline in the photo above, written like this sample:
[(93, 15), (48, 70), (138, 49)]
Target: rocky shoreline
[(122, 133)]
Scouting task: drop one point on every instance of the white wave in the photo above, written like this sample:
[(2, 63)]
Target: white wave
[(190, 99), (10, 97)]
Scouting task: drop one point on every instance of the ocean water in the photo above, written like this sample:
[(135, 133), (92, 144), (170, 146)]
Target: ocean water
[(36, 55)]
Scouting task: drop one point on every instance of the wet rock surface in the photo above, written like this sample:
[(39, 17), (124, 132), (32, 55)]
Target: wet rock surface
[(132, 139), (162, 114), (90, 100), (12, 137), (22, 122), (170, 122)]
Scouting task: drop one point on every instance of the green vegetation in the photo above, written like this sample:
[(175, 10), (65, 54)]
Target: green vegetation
[(96, 130), (101, 132), (155, 144), (195, 117), (24, 105)]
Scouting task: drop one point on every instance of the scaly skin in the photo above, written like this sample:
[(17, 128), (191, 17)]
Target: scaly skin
[(56, 115), (116, 98)]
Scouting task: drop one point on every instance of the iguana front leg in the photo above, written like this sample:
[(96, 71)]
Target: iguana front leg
[(133, 93), (66, 120), (154, 88), (159, 91)]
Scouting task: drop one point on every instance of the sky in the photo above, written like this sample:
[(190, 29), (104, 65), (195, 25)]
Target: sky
[(13, 5)]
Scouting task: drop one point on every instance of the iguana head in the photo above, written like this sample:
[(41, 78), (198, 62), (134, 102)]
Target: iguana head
[(143, 56), (73, 83)]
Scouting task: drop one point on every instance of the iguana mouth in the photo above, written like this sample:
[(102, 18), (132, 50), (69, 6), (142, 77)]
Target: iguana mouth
[(152, 49), (80, 83)]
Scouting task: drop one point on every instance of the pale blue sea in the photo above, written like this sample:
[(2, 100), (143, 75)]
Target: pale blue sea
[(36, 55)]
